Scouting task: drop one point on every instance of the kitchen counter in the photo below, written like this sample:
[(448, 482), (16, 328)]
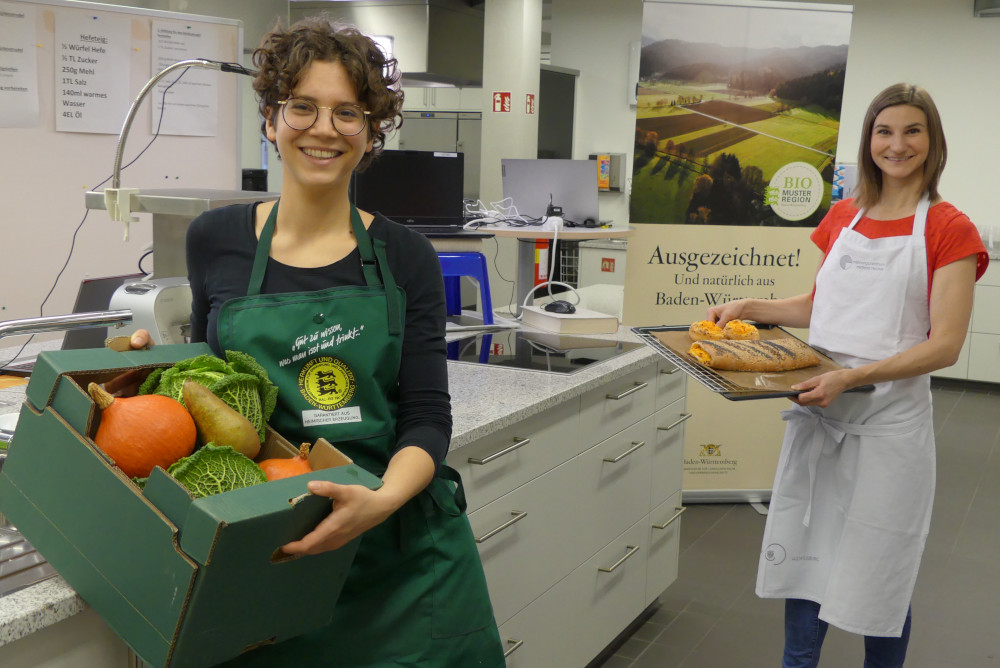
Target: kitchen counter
[(486, 399)]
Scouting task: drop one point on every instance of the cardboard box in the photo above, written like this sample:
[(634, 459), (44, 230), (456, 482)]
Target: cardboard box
[(184, 582)]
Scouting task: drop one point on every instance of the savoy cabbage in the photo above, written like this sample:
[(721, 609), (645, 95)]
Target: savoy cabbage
[(238, 380), (216, 469)]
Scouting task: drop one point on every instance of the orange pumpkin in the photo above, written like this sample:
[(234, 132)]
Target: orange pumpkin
[(285, 467), (142, 432)]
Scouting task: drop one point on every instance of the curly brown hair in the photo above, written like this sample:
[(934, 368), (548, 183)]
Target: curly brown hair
[(285, 54)]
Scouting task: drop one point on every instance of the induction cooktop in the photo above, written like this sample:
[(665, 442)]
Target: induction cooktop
[(536, 351)]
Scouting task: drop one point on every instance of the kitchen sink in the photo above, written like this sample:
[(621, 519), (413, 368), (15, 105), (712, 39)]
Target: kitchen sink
[(20, 563)]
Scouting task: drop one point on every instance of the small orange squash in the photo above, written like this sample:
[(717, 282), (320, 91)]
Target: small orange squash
[(286, 467), (140, 433)]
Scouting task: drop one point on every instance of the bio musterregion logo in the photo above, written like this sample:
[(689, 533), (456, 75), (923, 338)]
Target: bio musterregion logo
[(795, 191), (327, 383)]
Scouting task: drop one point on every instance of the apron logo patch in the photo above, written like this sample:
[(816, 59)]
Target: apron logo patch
[(846, 262), (327, 383), (774, 553)]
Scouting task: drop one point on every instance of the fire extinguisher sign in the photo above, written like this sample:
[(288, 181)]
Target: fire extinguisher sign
[(501, 102)]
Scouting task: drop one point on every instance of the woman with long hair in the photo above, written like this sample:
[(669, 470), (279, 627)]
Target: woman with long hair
[(854, 488)]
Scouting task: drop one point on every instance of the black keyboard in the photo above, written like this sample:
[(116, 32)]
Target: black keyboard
[(438, 229)]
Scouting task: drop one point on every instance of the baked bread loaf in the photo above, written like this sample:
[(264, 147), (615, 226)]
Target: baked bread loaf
[(784, 354), (737, 330), (705, 329)]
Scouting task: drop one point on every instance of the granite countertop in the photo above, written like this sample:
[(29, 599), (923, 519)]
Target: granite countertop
[(491, 398)]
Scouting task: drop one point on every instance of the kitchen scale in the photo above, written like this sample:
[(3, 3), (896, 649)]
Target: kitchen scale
[(536, 351)]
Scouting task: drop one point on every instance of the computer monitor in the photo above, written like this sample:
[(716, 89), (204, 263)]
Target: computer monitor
[(414, 188), (570, 184)]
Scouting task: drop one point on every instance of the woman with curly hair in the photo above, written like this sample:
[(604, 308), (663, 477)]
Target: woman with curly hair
[(368, 297)]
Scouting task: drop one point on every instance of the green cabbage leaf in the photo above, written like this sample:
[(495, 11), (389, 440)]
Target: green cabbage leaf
[(239, 380), (214, 469)]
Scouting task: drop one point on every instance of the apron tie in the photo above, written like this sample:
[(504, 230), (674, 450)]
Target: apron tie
[(825, 432), (828, 434)]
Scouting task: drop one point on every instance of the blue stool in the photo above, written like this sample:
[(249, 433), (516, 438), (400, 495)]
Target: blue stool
[(456, 265)]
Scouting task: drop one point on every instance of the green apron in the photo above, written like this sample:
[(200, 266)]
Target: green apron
[(416, 594)]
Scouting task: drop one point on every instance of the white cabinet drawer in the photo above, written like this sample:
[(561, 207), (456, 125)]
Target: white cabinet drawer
[(984, 358), (662, 557), (613, 488), (502, 461), (574, 620), (986, 313), (671, 383), (529, 539), (667, 451), (471, 99), (432, 98), (612, 585), (610, 408), (543, 634)]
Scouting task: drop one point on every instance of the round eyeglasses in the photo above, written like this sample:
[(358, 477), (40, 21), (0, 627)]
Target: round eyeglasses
[(301, 114)]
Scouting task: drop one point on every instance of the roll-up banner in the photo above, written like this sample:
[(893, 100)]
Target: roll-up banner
[(737, 116)]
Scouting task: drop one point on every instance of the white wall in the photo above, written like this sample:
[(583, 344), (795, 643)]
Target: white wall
[(593, 36), (941, 46), (258, 17), (937, 44)]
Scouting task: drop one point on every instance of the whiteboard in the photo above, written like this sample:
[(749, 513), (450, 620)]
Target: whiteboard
[(44, 173)]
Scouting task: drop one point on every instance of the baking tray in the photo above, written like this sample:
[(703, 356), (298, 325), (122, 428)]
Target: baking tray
[(673, 342)]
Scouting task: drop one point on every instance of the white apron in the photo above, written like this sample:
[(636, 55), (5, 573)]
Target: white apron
[(854, 488)]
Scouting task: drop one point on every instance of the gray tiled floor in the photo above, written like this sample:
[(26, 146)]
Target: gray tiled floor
[(711, 618)]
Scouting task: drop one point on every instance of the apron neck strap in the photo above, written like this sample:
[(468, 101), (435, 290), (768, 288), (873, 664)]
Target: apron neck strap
[(391, 293), (373, 257), (919, 218), (368, 257)]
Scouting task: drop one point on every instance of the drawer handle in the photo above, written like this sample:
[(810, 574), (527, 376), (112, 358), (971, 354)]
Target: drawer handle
[(514, 644), (670, 372), (632, 549), (518, 442), (517, 517), (680, 511), (635, 446), (684, 416), (632, 390)]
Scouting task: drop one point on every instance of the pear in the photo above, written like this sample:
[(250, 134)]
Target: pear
[(217, 422)]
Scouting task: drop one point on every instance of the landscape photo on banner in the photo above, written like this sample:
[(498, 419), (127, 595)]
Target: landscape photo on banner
[(736, 130), (738, 111)]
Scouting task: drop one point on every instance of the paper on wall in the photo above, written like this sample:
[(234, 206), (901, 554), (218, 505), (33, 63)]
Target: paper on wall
[(191, 105), (18, 67), (91, 72)]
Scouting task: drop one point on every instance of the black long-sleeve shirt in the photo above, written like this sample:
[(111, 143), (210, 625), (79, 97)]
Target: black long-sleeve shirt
[(220, 252)]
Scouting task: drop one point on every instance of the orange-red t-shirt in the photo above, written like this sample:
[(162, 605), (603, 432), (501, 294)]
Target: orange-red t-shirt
[(950, 234)]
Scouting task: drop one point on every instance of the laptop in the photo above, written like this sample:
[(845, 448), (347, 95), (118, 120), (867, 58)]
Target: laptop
[(94, 295), (420, 189), (570, 184)]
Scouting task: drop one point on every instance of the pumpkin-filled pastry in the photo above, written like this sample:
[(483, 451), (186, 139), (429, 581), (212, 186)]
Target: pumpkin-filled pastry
[(737, 330), (705, 329), (784, 354)]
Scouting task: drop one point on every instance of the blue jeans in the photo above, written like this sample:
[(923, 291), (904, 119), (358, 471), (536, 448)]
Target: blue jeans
[(804, 633)]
